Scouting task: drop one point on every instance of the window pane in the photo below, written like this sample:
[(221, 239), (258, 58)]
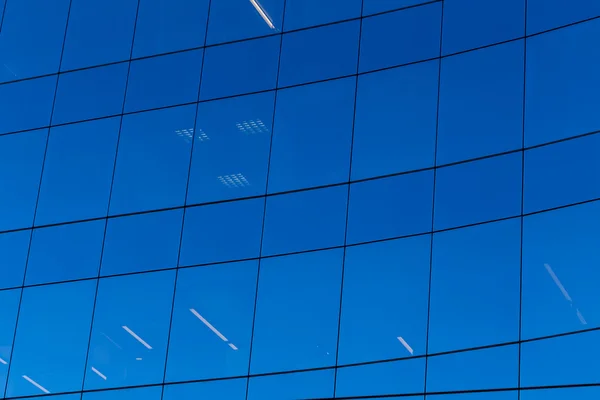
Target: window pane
[(562, 83), (14, 247), (225, 389), (21, 158), (231, 149), (377, 6), (142, 242), (26, 104), (548, 14), (304, 385), (475, 272), (478, 191), (378, 277), (222, 232), (32, 48), (153, 160), (562, 173), (390, 207), (65, 252), (212, 322), (78, 171), (560, 274), (73, 99), (147, 393), (307, 220), (321, 53), (298, 302), (129, 336), (224, 75), (88, 40), (481, 103), (395, 123), (8, 319), (164, 81), (472, 23), (312, 136), (169, 25), (416, 33), (52, 339), (304, 13), (581, 393), (504, 395)]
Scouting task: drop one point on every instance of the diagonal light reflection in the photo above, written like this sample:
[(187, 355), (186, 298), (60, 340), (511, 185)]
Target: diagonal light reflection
[(406, 345), (136, 337), (37, 385), (212, 328), (564, 292), (262, 13)]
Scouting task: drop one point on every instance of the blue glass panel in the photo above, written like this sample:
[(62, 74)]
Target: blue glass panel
[(478, 191), (8, 319), (473, 23), (26, 104), (548, 14), (297, 311), (562, 173), (222, 232), (475, 286), (90, 93), (562, 84), (153, 160), (78, 171), (481, 103), (32, 48), (503, 395), (169, 25), (231, 148), (377, 6), (377, 278), (129, 335), (415, 32), (241, 19), (581, 393), (147, 393), (321, 53), (14, 247), (239, 68), (312, 136), (304, 385), (560, 274), (212, 322), (303, 13), (52, 338), (65, 252), (21, 158), (164, 81), (395, 121), (99, 32), (390, 207), (142, 242), (234, 389), (307, 220)]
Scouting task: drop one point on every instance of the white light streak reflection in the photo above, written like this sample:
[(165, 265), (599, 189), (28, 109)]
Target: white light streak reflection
[(406, 346), (136, 337), (2, 361), (557, 282), (100, 374), (581, 319), (110, 340), (262, 13), (37, 385), (232, 346), (212, 328), (138, 358)]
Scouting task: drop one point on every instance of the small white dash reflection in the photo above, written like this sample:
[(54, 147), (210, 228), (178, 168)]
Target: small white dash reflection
[(232, 346), (100, 374), (37, 385), (212, 328), (406, 346), (2, 361), (136, 337)]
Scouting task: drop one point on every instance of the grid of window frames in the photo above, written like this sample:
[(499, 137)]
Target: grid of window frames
[(298, 199)]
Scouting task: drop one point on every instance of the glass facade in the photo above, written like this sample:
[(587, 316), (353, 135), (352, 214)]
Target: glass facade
[(172, 227)]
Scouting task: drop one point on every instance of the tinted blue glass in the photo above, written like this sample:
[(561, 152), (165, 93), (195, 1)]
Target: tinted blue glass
[(26, 104), (562, 173), (307, 220), (548, 14), (65, 252), (169, 25), (415, 32), (52, 338), (395, 120), (13, 256), (231, 148), (304, 13), (378, 277), (472, 23), (164, 81), (560, 255), (582, 393), (562, 84), (8, 319), (21, 158), (142, 242), (34, 48), (312, 136), (78, 171), (390, 207), (475, 272), (321, 53), (129, 335), (147, 393), (99, 32), (298, 303), (503, 395), (377, 6), (304, 385), (90, 93), (222, 232), (481, 103), (228, 389), (240, 19), (212, 322), (153, 160), (478, 191)]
